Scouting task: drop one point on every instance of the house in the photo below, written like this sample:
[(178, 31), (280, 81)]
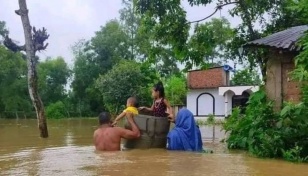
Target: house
[(210, 93), (283, 49)]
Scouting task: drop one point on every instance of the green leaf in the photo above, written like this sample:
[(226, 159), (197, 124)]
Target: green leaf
[(279, 124)]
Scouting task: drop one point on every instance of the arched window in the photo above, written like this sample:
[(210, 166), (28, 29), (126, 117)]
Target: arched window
[(209, 101)]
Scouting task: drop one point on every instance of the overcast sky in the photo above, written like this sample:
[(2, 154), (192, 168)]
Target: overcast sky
[(67, 21)]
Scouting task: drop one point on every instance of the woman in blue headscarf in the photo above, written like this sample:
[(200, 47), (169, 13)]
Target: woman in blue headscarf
[(185, 135)]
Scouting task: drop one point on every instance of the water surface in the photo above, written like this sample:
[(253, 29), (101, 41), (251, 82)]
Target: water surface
[(69, 151)]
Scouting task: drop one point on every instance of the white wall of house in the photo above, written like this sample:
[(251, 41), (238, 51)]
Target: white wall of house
[(223, 100), (205, 102), (228, 102), (229, 92)]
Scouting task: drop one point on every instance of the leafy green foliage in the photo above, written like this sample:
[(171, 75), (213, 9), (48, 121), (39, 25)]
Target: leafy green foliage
[(110, 45), (253, 131), (284, 134), (176, 90), (246, 77), (3, 30), (267, 134), (294, 154), (122, 81), (53, 76), (144, 46), (168, 19), (271, 15), (13, 82), (56, 110), (210, 41), (93, 58)]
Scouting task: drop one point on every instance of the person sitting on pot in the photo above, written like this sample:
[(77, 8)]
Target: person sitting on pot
[(160, 104), (131, 107)]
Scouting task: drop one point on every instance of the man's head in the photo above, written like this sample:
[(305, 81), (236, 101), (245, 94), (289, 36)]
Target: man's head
[(132, 102), (104, 118)]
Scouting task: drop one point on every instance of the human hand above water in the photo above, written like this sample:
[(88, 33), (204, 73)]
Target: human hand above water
[(141, 108), (171, 118)]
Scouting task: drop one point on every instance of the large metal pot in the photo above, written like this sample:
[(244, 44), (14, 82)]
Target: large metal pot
[(154, 131)]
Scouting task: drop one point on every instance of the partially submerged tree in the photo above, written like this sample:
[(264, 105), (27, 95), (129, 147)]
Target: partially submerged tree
[(34, 42)]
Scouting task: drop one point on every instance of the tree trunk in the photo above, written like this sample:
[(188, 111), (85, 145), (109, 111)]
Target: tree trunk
[(32, 74)]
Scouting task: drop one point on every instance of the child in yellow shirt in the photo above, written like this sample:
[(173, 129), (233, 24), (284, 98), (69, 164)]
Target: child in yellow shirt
[(131, 107)]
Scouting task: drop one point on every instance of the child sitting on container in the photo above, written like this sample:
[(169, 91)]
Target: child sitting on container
[(160, 104), (131, 107)]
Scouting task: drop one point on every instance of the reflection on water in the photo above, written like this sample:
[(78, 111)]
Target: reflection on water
[(69, 151)]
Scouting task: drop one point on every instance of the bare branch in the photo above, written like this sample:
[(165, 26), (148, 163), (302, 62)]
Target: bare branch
[(20, 12), (218, 7), (8, 42)]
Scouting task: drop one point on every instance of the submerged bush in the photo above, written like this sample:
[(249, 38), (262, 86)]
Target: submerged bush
[(267, 134), (56, 110)]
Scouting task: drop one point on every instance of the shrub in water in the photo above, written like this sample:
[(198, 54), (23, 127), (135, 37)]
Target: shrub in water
[(254, 130), (267, 134), (56, 110)]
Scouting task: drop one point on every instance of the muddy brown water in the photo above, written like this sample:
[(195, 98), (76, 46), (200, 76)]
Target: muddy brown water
[(69, 151)]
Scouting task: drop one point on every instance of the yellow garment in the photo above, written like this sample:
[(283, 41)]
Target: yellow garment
[(132, 110)]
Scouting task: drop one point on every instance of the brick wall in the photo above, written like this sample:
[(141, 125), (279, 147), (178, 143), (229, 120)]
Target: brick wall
[(290, 88), (279, 84), (210, 78)]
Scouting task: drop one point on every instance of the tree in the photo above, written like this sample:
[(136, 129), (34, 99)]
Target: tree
[(301, 70), (86, 70), (34, 42), (122, 82), (53, 76), (3, 31), (142, 42), (176, 90), (93, 58), (168, 19), (13, 83), (131, 23), (246, 77), (110, 45), (209, 42)]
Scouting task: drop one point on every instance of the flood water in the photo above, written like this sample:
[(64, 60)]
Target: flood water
[(69, 151)]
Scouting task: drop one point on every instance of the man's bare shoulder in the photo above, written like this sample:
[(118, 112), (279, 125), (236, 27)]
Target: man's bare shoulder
[(96, 131)]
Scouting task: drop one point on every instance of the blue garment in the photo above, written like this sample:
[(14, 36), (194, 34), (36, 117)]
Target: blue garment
[(185, 135)]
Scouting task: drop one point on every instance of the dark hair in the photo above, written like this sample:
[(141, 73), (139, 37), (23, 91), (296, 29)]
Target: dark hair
[(133, 101), (160, 88), (104, 118)]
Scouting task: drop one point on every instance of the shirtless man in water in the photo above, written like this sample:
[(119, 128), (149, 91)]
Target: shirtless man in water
[(108, 138)]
